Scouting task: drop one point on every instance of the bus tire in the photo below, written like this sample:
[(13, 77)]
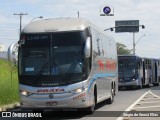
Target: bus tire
[(155, 84), (111, 99), (148, 86), (91, 109), (140, 87), (114, 89), (119, 88)]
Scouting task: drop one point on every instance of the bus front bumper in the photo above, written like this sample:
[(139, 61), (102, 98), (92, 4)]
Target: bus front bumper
[(81, 100), (131, 83)]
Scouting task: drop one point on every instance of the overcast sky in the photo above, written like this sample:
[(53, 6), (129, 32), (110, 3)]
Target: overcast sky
[(146, 11)]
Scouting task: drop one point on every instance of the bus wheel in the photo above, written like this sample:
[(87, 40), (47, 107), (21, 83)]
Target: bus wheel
[(148, 86), (90, 109), (114, 89), (111, 99), (140, 87), (155, 84), (119, 88)]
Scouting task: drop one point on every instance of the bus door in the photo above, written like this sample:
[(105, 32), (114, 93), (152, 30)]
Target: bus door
[(144, 73), (156, 74)]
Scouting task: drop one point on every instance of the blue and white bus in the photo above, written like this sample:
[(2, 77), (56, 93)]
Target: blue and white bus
[(137, 71), (155, 72), (66, 63), (130, 71)]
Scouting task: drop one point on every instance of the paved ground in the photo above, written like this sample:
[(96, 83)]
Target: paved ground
[(138, 101)]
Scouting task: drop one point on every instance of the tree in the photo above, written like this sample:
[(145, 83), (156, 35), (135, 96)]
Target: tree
[(122, 50)]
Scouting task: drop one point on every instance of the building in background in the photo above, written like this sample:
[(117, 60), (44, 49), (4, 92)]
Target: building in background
[(3, 53), (1, 47)]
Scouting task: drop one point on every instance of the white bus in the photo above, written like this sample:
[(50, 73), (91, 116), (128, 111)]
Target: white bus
[(66, 63)]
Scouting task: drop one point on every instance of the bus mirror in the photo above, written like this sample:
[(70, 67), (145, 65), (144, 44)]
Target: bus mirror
[(87, 47)]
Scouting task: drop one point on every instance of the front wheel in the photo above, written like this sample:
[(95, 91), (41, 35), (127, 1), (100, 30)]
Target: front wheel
[(90, 109)]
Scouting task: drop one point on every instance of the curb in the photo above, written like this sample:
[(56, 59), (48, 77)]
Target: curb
[(9, 106)]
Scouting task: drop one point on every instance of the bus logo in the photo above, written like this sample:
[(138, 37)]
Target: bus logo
[(50, 96), (50, 90)]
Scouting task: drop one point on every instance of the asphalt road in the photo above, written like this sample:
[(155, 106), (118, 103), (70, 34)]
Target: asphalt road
[(142, 102)]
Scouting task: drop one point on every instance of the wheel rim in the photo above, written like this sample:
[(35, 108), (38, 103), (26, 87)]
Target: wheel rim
[(112, 92)]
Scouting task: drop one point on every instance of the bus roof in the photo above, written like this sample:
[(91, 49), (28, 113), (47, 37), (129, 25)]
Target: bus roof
[(131, 55), (56, 25), (128, 56)]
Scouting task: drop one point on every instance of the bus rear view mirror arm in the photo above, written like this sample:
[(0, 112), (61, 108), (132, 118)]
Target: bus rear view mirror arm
[(87, 48)]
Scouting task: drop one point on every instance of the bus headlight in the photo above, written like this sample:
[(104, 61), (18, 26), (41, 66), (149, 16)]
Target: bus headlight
[(23, 92), (120, 80), (133, 79), (79, 90)]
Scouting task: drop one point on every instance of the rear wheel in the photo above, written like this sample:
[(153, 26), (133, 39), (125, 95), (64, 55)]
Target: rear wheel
[(114, 89), (111, 99)]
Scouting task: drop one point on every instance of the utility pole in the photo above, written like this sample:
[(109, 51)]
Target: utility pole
[(78, 14), (134, 43), (20, 14)]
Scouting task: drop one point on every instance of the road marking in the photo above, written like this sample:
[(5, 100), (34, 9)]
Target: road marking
[(146, 107), (149, 102), (130, 107), (155, 95), (150, 98)]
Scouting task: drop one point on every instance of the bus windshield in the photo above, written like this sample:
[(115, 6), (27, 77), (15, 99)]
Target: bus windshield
[(126, 68), (57, 57)]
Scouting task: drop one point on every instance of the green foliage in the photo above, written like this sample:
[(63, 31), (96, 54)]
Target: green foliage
[(122, 50), (8, 83)]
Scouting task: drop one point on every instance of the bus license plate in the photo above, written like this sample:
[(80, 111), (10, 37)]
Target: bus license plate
[(53, 103)]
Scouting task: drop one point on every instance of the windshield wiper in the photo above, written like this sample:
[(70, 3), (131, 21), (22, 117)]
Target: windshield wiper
[(56, 63), (41, 71)]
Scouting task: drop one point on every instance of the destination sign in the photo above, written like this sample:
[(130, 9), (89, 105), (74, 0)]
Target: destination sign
[(37, 37)]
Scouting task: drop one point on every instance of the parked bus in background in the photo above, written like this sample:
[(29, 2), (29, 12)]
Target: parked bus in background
[(147, 72), (13, 53), (130, 71), (66, 63)]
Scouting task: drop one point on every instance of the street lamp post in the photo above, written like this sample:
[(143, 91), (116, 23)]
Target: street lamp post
[(134, 39), (133, 32), (78, 14), (135, 43), (139, 39)]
